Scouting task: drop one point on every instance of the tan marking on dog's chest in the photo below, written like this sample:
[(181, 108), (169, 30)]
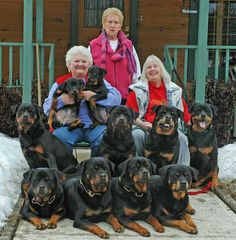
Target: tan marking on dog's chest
[(206, 150), (91, 212), (168, 156)]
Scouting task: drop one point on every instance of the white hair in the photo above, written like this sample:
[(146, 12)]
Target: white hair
[(154, 59), (75, 50)]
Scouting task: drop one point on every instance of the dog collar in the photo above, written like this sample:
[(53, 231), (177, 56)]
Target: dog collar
[(131, 190), (89, 192), (50, 201)]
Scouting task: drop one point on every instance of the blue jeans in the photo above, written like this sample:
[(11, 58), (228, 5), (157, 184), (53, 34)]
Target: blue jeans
[(92, 136)]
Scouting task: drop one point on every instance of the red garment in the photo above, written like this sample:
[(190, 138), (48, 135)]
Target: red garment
[(63, 78), (157, 97), (117, 71)]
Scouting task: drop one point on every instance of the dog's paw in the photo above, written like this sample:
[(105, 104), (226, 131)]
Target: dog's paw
[(41, 226)]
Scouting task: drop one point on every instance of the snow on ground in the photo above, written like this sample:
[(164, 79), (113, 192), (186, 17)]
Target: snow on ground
[(13, 165)]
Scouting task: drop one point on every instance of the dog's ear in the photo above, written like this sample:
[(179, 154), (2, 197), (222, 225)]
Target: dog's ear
[(194, 173), (153, 166), (156, 108), (164, 170), (58, 175), (214, 109), (27, 176), (111, 167), (14, 109), (103, 71), (192, 106), (82, 166), (39, 110), (121, 168)]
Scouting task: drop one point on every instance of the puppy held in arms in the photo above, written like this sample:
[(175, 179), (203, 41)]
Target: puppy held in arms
[(68, 114), (95, 83), (203, 145), (162, 145)]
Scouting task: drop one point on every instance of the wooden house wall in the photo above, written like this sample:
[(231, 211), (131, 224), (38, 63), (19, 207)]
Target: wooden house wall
[(159, 23)]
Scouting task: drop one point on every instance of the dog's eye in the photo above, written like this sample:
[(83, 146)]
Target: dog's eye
[(96, 167), (138, 165), (185, 174), (177, 174)]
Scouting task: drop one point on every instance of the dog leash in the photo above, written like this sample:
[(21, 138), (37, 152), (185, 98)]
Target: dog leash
[(205, 189)]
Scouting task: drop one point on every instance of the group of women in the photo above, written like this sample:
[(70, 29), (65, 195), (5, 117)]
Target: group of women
[(126, 84)]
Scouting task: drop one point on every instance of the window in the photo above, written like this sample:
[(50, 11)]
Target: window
[(94, 8), (222, 22)]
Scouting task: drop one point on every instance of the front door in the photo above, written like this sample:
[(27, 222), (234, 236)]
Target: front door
[(90, 17)]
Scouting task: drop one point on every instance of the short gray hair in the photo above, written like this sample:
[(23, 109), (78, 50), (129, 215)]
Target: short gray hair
[(154, 59), (81, 50)]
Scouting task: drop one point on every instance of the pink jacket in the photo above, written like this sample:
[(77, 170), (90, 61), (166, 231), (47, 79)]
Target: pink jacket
[(117, 71)]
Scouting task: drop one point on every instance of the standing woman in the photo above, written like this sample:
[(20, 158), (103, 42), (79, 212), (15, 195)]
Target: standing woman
[(156, 88), (78, 60), (113, 51)]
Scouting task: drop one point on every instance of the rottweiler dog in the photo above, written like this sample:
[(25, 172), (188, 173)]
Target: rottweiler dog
[(170, 201), (40, 147), (88, 197), (162, 144), (117, 143), (131, 196), (95, 83), (68, 114), (43, 197), (203, 145)]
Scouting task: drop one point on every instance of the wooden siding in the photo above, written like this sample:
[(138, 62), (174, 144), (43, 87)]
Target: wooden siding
[(162, 23)]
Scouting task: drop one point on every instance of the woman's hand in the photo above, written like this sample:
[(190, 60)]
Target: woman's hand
[(88, 94), (143, 124)]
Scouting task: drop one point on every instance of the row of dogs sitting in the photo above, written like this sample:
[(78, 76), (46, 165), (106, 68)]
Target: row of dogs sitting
[(91, 194)]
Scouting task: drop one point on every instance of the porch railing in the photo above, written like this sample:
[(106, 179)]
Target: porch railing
[(221, 61), (9, 51), (180, 61)]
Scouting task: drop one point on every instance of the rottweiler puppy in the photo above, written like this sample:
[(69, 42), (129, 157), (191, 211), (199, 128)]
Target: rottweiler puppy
[(88, 197), (203, 145), (68, 114), (40, 147), (95, 83), (43, 197), (170, 201), (117, 143), (162, 144), (131, 196)]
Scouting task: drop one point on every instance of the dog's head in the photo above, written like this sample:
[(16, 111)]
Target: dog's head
[(73, 87), (135, 173), (166, 120), (95, 76), (121, 118), (96, 173), (26, 116), (40, 185), (202, 115), (178, 178)]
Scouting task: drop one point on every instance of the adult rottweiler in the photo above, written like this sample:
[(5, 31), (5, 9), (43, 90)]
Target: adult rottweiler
[(203, 145), (170, 201), (117, 143), (162, 144), (68, 114), (131, 196), (95, 83), (40, 147), (43, 197), (88, 197)]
